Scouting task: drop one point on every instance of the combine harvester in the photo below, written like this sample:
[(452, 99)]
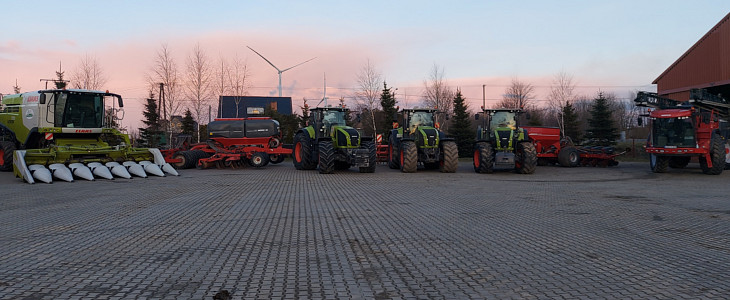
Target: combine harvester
[(233, 142), (63, 134), (682, 130)]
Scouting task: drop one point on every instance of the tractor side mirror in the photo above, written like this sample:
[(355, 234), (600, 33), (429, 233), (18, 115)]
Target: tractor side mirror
[(476, 116), (640, 121), (42, 98), (120, 102)]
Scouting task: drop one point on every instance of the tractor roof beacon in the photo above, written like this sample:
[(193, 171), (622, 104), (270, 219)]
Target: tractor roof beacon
[(64, 134), (502, 144), (416, 138), (681, 130), (329, 144)]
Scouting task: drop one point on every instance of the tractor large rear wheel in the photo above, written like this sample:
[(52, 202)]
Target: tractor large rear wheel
[(393, 160), (717, 154), (450, 161), (326, 157), (408, 157), (6, 155), (569, 157), (302, 155), (372, 157), (483, 158), (658, 163), (525, 158)]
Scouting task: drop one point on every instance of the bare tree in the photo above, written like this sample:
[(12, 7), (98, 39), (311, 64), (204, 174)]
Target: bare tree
[(165, 71), (438, 94), (368, 94), (198, 85), (221, 82), (562, 91), (518, 95), (88, 74), (239, 80)]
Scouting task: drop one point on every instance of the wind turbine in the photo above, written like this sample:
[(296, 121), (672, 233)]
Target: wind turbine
[(277, 69)]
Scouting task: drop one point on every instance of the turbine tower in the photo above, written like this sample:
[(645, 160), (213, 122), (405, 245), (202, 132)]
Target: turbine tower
[(277, 69)]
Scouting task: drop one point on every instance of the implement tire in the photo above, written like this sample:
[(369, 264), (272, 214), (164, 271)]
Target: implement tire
[(450, 161), (393, 160), (302, 154), (408, 157), (525, 158), (188, 160), (483, 158), (372, 157), (259, 160), (659, 164), (6, 155), (276, 158), (326, 157), (569, 157)]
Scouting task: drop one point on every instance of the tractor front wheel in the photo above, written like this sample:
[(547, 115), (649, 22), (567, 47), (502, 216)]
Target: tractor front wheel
[(408, 157), (525, 158), (326, 157), (483, 158), (6, 155), (450, 161), (303, 159), (372, 157)]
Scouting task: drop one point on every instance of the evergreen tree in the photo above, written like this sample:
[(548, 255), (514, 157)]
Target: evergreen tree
[(304, 119), (188, 124), (571, 124), (387, 101), (535, 118), (151, 134), (601, 130), (289, 124), (60, 83), (461, 129)]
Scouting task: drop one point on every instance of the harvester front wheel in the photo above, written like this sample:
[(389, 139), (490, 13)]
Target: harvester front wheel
[(659, 164), (326, 157), (408, 157), (258, 160), (717, 154), (372, 157), (569, 157), (525, 158), (393, 154), (6, 155), (450, 160), (303, 159), (483, 158)]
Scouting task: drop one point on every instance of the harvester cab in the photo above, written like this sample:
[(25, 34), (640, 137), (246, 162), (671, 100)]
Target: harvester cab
[(501, 144), (328, 143), (416, 137), (65, 134), (683, 129)]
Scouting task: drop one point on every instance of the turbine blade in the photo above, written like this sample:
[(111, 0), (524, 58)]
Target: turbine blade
[(254, 51), (289, 68)]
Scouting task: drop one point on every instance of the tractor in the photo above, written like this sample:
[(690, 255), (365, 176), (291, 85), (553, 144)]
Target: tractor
[(501, 144), (418, 139), (64, 134), (681, 130), (329, 144)]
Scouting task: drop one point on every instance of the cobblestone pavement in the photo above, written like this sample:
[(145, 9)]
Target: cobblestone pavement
[(278, 233)]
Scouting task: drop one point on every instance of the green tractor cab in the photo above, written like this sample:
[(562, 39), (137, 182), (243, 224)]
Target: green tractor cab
[(417, 138), (63, 134), (501, 144), (328, 143)]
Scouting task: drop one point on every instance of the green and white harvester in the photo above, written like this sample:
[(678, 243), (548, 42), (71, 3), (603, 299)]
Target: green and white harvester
[(64, 134)]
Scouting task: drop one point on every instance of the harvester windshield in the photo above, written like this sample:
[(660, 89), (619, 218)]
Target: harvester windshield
[(76, 110), (502, 119), (673, 132)]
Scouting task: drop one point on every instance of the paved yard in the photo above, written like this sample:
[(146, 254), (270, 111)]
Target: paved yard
[(580, 233)]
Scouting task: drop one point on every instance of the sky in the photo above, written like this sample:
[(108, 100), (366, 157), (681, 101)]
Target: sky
[(611, 46)]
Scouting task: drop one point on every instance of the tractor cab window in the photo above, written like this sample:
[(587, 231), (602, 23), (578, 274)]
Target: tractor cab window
[(673, 132), (502, 119), (333, 117), (78, 110), (421, 118)]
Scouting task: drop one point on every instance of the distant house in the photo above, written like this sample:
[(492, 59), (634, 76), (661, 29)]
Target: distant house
[(252, 106)]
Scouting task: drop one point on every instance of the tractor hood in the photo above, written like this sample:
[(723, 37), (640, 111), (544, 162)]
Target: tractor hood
[(670, 113), (345, 136)]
